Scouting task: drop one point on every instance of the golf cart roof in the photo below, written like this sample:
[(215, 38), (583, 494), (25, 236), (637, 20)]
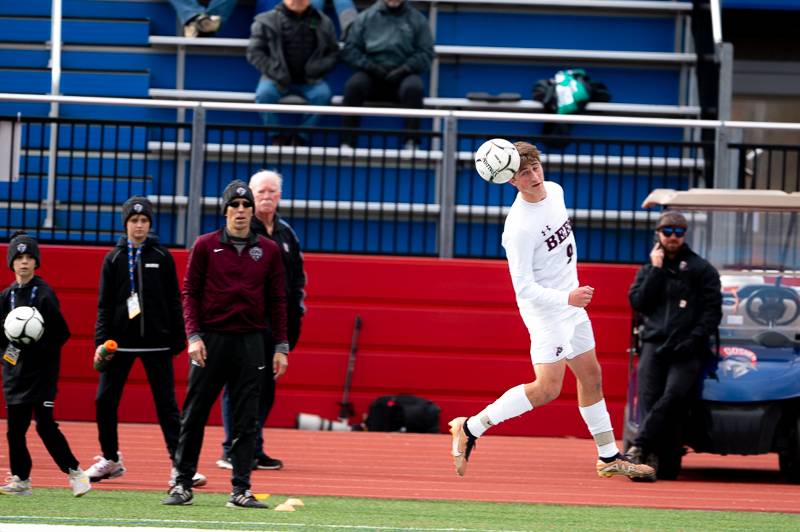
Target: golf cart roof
[(724, 199)]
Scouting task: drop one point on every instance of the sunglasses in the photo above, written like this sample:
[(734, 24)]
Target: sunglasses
[(237, 204), (668, 231)]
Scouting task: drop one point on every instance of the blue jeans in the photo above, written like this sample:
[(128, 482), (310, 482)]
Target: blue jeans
[(345, 9), (315, 94), (188, 9)]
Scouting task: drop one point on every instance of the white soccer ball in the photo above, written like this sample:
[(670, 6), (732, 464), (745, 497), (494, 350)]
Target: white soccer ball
[(497, 161), (24, 325)]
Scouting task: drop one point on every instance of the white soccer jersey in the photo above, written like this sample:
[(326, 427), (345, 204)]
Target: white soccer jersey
[(542, 259)]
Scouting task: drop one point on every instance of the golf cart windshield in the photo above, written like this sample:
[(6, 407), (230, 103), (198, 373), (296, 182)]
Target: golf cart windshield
[(753, 239)]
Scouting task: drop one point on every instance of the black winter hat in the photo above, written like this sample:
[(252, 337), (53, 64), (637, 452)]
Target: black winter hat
[(137, 205), (22, 242), (236, 189)]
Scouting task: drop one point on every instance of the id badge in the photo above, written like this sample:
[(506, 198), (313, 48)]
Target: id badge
[(11, 355), (133, 306)]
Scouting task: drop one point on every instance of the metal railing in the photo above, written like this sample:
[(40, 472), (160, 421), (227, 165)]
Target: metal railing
[(377, 198)]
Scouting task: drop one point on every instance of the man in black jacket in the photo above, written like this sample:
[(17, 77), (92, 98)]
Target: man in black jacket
[(266, 187), (139, 307), (293, 46), (678, 297)]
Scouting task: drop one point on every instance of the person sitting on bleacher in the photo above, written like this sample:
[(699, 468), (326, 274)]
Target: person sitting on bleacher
[(389, 45), (200, 21), (293, 46), (346, 10)]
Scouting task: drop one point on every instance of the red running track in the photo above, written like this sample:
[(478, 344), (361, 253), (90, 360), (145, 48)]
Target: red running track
[(418, 466)]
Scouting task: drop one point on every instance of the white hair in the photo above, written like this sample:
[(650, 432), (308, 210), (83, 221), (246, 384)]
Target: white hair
[(263, 174)]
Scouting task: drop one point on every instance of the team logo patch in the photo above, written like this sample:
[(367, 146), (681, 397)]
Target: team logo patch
[(137, 207), (21, 247), (286, 247), (240, 191), (683, 266), (256, 253), (559, 350)]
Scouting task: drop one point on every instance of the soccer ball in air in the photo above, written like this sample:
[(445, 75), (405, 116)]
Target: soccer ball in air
[(497, 161), (24, 325)]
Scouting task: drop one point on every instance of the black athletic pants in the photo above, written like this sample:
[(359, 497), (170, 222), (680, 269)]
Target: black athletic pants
[(665, 387), (19, 419), (266, 400), (236, 361), (362, 87), (160, 376)]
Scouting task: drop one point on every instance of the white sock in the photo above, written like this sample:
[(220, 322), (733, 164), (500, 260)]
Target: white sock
[(513, 403), (599, 424)]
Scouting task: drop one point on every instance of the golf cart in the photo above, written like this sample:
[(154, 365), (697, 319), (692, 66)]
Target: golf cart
[(748, 398)]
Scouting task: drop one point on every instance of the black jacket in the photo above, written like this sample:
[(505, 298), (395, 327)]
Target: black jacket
[(678, 301), (35, 376), (265, 49), (292, 256), (160, 323)]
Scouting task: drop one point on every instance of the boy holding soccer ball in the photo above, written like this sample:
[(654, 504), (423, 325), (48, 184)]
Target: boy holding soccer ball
[(542, 257), (30, 373)]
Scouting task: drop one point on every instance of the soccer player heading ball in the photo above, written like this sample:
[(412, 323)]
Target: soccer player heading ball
[(542, 261)]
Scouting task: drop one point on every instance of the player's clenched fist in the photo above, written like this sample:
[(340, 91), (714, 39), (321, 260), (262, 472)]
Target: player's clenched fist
[(581, 296)]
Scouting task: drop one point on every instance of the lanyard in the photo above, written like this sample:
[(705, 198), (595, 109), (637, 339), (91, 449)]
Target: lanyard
[(13, 297), (132, 259)]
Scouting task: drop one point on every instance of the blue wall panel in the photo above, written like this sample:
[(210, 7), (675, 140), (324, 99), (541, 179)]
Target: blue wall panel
[(539, 30), (24, 58), (626, 85)]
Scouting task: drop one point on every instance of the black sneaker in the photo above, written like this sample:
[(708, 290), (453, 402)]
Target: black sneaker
[(244, 499), (179, 496), (266, 462)]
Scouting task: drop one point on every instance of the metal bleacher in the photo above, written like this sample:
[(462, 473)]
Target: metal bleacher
[(642, 50), (669, 64)]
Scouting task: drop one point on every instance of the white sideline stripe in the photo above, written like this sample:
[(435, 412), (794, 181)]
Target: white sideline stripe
[(281, 527)]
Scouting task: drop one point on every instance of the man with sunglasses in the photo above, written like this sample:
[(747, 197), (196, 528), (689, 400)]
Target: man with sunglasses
[(678, 298), (233, 291)]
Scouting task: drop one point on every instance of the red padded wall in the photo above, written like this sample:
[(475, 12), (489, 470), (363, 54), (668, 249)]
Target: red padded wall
[(447, 330)]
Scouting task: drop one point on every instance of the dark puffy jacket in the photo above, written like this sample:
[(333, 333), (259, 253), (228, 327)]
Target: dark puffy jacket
[(160, 323), (35, 375), (390, 38), (682, 299), (265, 49)]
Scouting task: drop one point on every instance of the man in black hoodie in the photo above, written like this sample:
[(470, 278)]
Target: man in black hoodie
[(678, 296), (139, 307), (293, 46)]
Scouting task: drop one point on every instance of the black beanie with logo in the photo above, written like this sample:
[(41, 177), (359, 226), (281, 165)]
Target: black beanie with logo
[(236, 189), (23, 243), (137, 205)]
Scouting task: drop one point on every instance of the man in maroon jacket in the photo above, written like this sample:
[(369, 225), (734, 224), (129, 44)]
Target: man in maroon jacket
[(234, 290)]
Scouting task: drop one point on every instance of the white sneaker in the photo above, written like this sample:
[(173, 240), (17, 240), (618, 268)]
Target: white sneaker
[(198, 480), (224, 463), (104, 469), (15, 486), (79, 481)]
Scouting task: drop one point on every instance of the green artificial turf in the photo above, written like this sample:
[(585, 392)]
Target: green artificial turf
[(139, 508)]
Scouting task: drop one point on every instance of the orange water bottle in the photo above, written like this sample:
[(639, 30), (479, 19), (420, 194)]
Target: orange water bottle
[(107, 350)]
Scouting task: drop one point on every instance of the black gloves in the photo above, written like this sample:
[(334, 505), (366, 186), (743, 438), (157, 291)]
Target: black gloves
[(396, 75), (375, 70)]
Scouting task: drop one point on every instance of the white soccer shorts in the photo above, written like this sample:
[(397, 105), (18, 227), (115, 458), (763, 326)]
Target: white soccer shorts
[(564, 342)]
